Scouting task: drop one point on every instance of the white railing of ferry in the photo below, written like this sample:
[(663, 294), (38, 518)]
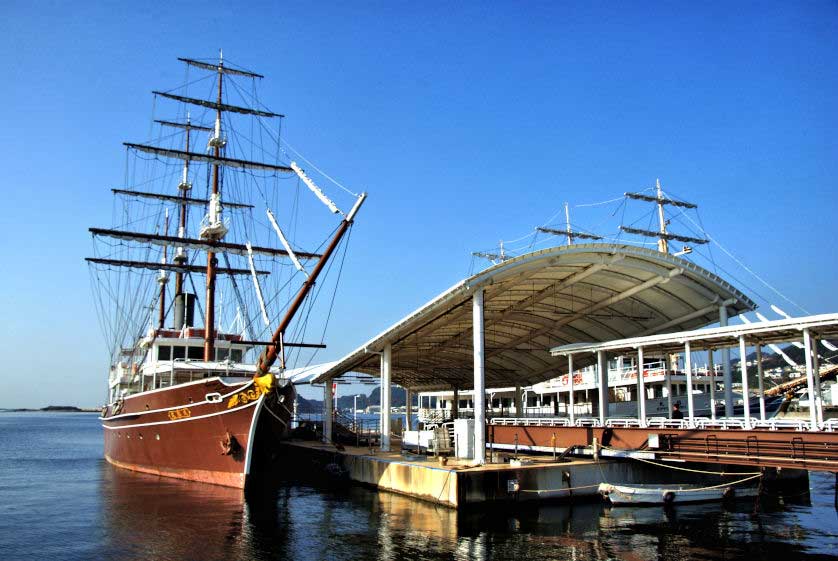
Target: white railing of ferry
[(531, 421), (624, 423), (624, 375), (431, 415)]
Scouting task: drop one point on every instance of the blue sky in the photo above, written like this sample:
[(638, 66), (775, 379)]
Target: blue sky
[(467, 123)]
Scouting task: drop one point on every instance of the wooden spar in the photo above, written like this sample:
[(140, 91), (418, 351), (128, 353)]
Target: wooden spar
[(176, 198), (219, 68), (271, 343), (269, 355), (199, 244), (209, 328), (218, 106), (187, 125), (201, 157), (185, 268)]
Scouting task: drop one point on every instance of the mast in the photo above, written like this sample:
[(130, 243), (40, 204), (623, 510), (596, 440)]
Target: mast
[(568, 231), (567, 224), (184, 187), (662, 234), (212, 232), (495, 258), (663, 243), (163, 279)]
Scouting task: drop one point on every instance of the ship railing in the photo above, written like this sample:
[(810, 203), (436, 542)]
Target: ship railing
[(531, 421), (624, 423), (724, 423)]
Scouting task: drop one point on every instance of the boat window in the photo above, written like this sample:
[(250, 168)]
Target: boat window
[(178, 352), (164, 353), (196, 353), (236, 355)]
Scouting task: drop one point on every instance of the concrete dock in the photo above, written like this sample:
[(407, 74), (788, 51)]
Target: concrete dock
[(458, 484)]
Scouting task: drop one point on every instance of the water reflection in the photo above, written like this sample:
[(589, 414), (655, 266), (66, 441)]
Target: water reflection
[(148, 517)]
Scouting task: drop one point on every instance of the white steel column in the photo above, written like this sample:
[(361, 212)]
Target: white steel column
[(816, 377), (688, 367), (328, 403), (641, 389), (667, 374), (728, 375), (519, 402), (743, 366), (711, 371), (602, 375), (810, 378), (408, 409), (761, 384), (479, 351), (384, 424), (571, 404)]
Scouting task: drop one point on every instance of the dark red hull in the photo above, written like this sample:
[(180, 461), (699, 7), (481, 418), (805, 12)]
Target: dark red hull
[(208, 431)]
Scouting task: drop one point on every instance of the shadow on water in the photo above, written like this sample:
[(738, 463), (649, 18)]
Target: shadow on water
[(149, 517)]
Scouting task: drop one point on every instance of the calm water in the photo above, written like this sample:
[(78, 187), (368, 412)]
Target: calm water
[(60, 500)]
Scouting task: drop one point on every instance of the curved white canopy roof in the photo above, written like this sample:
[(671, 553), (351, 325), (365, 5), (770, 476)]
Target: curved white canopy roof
[(581, 293)]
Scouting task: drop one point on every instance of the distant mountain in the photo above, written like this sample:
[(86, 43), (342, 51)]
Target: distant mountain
[(348, 401), (772, 360)]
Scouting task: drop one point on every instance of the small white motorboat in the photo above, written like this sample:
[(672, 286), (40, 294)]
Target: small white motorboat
[(666, 494)]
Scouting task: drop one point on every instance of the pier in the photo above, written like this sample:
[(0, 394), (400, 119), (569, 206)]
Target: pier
[(549, 314), (460, 484)]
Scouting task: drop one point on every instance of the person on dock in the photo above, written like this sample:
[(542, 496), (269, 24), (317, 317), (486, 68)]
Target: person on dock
[(676, 411)]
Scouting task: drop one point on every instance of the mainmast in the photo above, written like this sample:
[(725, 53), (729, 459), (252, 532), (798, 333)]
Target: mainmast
[(215, 230), (662, 234)]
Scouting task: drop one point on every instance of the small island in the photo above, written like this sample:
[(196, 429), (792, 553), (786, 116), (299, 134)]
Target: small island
[(53, 409)]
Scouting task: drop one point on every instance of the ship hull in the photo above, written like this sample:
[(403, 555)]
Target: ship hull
[(210, 431)]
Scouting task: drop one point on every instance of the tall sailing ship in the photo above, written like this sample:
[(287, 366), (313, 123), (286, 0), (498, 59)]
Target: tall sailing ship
[(207, 398)]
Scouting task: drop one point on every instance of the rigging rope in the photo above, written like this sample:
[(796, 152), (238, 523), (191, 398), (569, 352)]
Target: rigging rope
[(748, 269)]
